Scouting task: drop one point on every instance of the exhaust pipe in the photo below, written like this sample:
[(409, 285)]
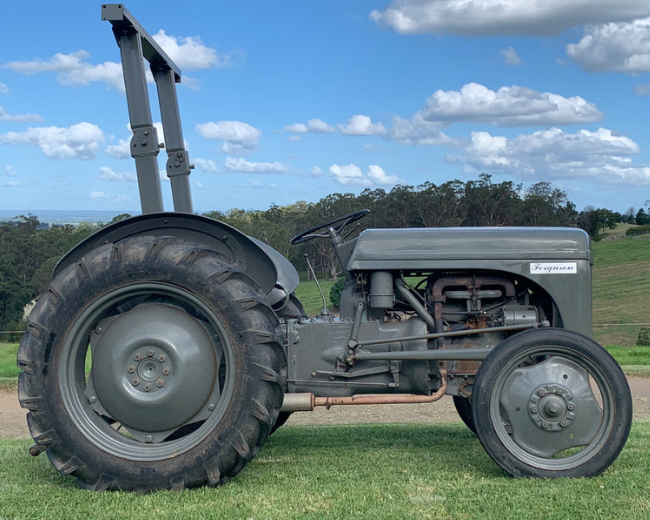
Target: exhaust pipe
[(307, 402)]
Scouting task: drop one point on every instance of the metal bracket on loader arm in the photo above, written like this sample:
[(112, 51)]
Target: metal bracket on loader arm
[(135, 43)]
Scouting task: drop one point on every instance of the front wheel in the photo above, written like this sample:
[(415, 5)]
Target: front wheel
[(151, 364), (551, 403)]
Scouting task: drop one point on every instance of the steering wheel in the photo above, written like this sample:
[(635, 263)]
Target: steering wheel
[(343, 221)]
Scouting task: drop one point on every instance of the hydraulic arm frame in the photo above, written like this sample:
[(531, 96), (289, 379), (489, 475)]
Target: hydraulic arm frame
[(136, 43)]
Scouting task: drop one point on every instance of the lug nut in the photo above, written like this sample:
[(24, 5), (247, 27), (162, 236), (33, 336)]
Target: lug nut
[(571, 406), (533, 409), (559, 391), (148, 438), (131, 369), (563, 422), (162, 358), (138, 356), (160, 383), (541, 392), (147, 387), (150, 352), (135, 382), (165, 371), (545, 424)]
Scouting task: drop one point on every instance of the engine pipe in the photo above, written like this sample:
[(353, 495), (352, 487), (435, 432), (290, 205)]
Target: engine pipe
[(450, 334), (413, 302)]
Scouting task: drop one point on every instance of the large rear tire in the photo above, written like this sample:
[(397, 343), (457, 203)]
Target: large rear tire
[(464, 408), (151, 364), (551, 403)]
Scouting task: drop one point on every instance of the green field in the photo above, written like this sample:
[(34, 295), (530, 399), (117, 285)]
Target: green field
[(621, 289)]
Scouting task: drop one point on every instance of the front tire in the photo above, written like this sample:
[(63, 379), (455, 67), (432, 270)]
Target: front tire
[(151, 364), (551, 403)]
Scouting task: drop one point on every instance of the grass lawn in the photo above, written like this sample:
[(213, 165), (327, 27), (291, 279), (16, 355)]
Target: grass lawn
[(8, 369), (308, 294), (437, 471)]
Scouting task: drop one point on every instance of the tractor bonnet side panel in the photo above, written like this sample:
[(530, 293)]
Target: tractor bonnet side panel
[(556, 259)]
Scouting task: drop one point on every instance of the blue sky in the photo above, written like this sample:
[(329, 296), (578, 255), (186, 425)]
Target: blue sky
[(294, 100)]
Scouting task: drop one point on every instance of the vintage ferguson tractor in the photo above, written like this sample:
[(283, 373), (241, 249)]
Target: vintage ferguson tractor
[(169, 346)]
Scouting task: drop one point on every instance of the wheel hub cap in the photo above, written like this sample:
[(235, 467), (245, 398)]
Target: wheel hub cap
[(552, 407), (154, 368)]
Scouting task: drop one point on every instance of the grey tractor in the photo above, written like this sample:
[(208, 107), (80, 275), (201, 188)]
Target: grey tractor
[(169, 346)]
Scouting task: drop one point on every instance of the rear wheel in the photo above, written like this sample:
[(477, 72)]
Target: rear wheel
[(464, 408), (151, 364), (551, 403)]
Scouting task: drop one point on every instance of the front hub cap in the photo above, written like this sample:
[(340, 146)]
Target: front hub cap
[(154, 367), (551, 407)]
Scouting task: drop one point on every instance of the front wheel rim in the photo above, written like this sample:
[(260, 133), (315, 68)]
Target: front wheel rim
[(551, 432)]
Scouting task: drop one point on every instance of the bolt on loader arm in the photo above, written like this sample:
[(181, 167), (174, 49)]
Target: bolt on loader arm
[(135, 43)]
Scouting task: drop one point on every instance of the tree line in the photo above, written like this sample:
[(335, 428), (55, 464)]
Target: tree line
[(29, 251)]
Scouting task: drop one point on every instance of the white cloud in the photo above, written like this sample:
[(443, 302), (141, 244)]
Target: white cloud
[(362, 125), (112, 201), (237, 137), (4, 89), (417, 131), (74, 69), (600, 156), (107, 174), (199, 185), (121, 150), (642, 90), (297, 128), (240, 165), (260, 186), (22, 118), (316, 126), (510, 56), (294, 138), (315, 171), (614, 47), (9, 170), (378, 176), (508, 106), (207, 165), (12, 184), (504, 17), (79, 141), (190, 53), (351, 175)]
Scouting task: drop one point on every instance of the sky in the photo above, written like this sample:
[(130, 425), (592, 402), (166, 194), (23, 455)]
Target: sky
[(293, 100)]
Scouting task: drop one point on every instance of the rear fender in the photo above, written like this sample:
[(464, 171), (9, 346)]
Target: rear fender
[(236, 248)]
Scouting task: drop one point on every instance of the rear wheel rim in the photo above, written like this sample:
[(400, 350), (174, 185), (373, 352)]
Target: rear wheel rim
[(74, 387)]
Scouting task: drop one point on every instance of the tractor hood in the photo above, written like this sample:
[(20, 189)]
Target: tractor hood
[(417, 248)]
